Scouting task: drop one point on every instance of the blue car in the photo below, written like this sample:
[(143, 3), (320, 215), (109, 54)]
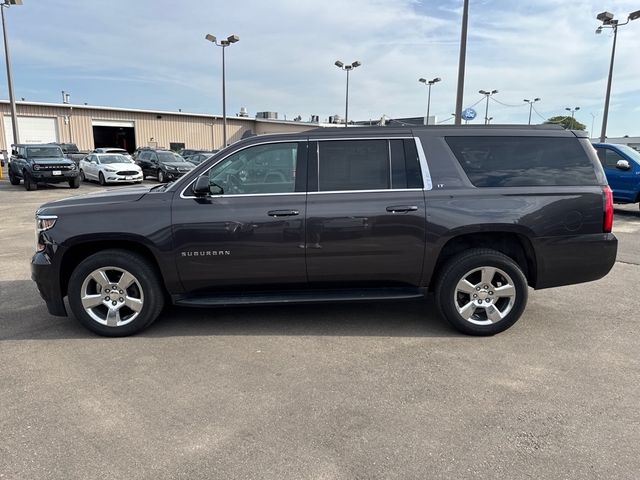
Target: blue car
[(622, 166)]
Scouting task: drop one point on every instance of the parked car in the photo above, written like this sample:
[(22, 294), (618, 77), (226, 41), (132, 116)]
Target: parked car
[(187, 152), (198, 158), (622, 166), (119, 151), (474, 214), (71, 151), (164, 165), (46, 163), (110, 168)]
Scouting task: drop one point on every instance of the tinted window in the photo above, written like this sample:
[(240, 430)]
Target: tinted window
[(609, 158), (523, 161), (260, 169), (354, 165)]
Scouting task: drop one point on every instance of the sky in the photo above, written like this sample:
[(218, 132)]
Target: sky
[(152, 54)]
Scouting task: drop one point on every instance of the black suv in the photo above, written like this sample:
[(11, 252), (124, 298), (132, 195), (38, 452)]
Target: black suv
[(473, 214), (41, 164), (165, 165)]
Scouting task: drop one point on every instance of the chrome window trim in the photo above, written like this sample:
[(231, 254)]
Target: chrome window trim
[(424, 169), (426, 175)]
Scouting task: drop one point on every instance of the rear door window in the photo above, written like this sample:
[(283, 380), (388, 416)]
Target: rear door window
[(523, 161)]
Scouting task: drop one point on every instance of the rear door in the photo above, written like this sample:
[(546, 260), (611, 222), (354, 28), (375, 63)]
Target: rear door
[(251, 235), (366, 216)]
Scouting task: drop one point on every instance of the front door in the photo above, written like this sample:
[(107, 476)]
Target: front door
[(252, 234), (366, 215), (624, 183)]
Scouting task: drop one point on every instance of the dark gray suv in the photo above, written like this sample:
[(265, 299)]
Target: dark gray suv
[(35, 164), (475, 215)]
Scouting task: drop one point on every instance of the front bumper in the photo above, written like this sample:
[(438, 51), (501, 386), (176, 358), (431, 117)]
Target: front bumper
[(573, 259), (174, 175), (47, 278), (48, 177), (112, 177)]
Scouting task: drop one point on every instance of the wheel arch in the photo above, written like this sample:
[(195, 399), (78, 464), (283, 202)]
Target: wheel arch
[(516, 245)]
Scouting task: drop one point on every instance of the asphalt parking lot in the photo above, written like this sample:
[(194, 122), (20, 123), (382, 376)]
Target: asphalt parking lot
[(320, 392)]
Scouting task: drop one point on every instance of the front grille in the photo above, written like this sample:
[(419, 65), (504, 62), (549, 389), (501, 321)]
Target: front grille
[(128, 172), (52, 167)]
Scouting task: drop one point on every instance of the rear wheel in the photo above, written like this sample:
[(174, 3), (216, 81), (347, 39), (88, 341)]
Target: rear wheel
[(74, 182), (115, 293), (101, 179), (29, 183), (12, 177), (481, 292)]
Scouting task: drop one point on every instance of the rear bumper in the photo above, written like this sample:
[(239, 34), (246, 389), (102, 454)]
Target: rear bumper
[(573, 259), (46, 276)]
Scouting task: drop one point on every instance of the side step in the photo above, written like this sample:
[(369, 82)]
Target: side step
[(300, 296)]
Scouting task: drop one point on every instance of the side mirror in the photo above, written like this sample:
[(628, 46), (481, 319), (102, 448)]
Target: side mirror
[(201, 187), (623, 165)]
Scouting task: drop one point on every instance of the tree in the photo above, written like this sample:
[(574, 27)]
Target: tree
[(567, 122)]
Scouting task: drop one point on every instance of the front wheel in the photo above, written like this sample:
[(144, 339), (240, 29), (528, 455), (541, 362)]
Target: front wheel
[(74, 182), (29, 183), (82, 177), (160, 176), (481, 292), (115, 293), (12, 177), (101, 179)]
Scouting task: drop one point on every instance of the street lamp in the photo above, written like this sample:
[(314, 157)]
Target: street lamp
[(347, 68), (7, 56), (429, 84), (609, 22), (573, 111), (224, 44), (531, 102), (486, 112)]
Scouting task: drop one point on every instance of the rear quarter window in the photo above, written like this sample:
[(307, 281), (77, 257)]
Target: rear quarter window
[(523, 161)]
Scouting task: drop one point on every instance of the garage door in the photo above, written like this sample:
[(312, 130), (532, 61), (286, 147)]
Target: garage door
[(31, 130)]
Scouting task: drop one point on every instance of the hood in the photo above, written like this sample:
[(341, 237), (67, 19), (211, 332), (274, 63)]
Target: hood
[(51, 161), (120, 195), (179, 164), (121, 166)]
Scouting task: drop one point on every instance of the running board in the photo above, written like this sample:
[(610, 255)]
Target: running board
[(303, 296)]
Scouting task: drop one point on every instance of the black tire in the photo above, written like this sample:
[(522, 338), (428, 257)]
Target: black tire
[(12, 177), (160, 176), (448, 298), (140, 268), (101, 179), (74, 182), (29, 183), (82, 176)]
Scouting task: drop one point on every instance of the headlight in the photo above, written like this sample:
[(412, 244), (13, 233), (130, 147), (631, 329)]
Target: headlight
[(172, 169), (73, 166), (109, 170), (43, 223), (36, 166)]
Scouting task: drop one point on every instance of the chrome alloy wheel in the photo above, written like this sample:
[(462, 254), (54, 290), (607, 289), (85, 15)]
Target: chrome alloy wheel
[(112, 296), (484, 295)]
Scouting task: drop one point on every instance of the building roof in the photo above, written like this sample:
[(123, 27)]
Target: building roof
[(156, 112)]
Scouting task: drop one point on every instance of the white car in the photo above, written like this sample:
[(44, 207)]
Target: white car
[(109, 168), (120, 151)]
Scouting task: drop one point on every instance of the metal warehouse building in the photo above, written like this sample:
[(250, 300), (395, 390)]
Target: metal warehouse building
[(91, 126)]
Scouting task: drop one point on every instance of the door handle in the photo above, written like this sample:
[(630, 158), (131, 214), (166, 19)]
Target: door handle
[(283, 213), (402, 208)]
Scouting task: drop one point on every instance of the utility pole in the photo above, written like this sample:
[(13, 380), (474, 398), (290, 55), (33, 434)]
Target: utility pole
[(461, 62), (7, 55)]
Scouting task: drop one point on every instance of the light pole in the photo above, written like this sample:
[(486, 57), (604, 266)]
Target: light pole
[(531, 102), (347, 68), (461, 62), (12, 99), (224, 44), (608, 22), (593, 121), (429, 84), (486, 111), (573, 111)]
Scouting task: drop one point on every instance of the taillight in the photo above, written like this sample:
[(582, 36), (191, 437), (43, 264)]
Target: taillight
[(608, 209)]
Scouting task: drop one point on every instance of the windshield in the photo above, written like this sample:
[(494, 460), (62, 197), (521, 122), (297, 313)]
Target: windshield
[(117, 150), (106, 159), (169, 157), (70, 148), (630, 152), (44, 152)]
